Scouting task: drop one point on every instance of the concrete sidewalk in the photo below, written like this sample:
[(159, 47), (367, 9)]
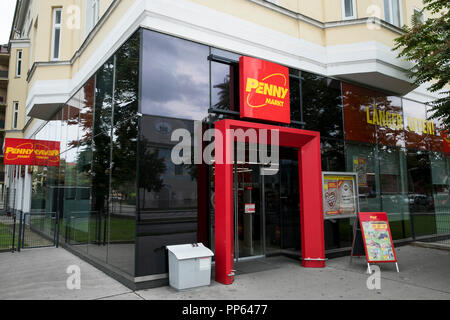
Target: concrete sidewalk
[(424, 274)]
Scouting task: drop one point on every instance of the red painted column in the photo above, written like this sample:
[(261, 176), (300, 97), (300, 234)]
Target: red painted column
[(224, 235), (311, 202)]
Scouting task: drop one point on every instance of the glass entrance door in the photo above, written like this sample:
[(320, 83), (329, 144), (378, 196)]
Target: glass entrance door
[(282, 207), (267, 210), (248, 211)]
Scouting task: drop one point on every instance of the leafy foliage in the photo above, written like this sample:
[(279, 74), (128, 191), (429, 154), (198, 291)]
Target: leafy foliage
[(427, 45)]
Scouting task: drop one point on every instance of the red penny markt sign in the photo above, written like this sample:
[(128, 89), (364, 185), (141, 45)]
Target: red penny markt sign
[(264, 90), (27, 152)]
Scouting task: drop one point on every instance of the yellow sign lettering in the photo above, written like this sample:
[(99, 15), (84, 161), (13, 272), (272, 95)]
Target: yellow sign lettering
[(251, 84)]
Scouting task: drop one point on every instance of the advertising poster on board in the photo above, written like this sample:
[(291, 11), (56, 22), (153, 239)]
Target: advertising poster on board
[(340, 195)]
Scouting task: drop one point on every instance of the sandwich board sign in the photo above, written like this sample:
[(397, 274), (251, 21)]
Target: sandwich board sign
[(372, 237)]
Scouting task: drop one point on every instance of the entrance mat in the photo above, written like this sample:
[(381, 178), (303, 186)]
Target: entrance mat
[(252, 266)]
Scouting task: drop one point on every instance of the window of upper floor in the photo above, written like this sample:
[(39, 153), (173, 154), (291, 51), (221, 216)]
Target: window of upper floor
[(15, 122), (349, 9), (19, 63), (25, 32), (418, 17), (92, 14), (393, 12), (56, 34)]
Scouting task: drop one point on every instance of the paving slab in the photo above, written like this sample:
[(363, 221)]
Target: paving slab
[(40, 274)]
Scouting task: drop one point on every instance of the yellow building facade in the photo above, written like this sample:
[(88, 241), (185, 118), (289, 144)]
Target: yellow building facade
[(314, 35)]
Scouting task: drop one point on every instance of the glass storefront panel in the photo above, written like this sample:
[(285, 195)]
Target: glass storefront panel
[(87, 95), (225, 86), (417, 129), (386, 116), (101, 162), (440, 177), (333, 155), (73, 225), (295, 101), (175, 77), (167, 195), (103, 100), (38, 189), (359, 113), (64, 116), (420, 193), (322, 105), (362, 158), (338, 233), (393, 186), (122, 219), (73, 121)]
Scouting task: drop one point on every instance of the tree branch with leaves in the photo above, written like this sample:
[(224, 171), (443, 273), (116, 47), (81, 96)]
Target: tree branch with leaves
[(427, 45)]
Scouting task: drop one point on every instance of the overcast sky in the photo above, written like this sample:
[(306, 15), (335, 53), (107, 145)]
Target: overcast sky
[(6, 16)]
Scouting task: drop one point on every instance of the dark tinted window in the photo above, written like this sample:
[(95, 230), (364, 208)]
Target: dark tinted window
[(225, 86), (322, 105), (175, 77), (420, 193), (122, 223), (167, 195)]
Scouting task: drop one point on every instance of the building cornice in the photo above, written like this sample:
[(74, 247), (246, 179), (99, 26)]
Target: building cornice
[(46, 64), (19, 43)]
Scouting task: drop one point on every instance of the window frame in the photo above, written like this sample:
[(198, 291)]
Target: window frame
[(55, 27), (95, 7), (19, 63), (354, 16), (15, 119), (422, 14), (391, 12)]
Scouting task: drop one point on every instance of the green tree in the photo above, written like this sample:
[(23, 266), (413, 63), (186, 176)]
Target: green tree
[(427, 45)]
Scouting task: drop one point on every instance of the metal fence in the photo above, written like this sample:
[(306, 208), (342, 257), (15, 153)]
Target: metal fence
[(443, 226), (9, 227), (9, 201), (37, 230), (27, 230)]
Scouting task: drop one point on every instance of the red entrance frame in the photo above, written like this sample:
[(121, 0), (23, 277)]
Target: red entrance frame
[(310, 182)]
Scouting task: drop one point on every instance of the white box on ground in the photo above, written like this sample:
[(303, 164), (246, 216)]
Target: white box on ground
[(189, 266)]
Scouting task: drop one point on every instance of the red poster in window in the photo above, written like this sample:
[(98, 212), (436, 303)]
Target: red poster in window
[(446, 141), (27, 152), (264, 90)]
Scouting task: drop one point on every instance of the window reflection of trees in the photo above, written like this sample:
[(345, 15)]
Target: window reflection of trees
[(322, 105)]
